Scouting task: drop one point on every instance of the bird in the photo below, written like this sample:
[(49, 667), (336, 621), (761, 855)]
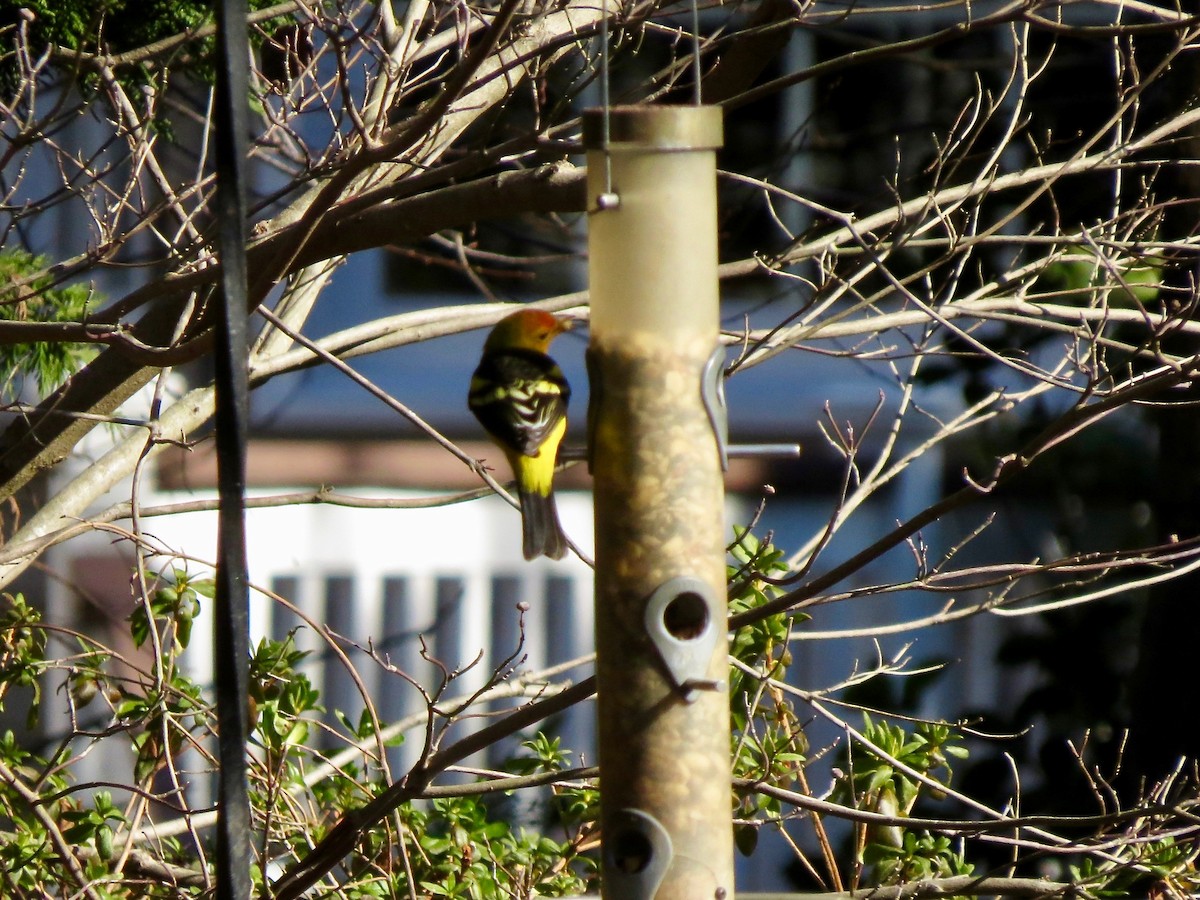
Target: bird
[(519, 395)]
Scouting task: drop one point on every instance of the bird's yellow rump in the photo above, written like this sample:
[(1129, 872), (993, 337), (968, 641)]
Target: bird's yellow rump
[(520, 396)]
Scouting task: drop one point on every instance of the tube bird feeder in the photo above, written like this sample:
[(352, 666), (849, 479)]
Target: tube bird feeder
[(656, 424)]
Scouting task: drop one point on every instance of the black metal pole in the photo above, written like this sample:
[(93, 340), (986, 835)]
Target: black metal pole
[(231, 626)]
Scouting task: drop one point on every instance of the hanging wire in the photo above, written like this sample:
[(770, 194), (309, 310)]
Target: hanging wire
[(609, 198), (696, 52)]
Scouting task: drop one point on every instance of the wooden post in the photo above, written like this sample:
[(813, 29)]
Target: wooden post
[(656, 424)]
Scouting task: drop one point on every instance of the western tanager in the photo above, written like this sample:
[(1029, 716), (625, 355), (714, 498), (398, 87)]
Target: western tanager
[(520, 396)]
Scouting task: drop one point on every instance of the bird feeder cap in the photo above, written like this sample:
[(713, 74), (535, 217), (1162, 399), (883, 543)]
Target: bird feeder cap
[(654, 128)]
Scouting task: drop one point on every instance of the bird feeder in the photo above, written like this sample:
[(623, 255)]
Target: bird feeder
[(656, 424)]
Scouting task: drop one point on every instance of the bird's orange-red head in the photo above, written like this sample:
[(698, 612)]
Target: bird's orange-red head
[(527, 329)]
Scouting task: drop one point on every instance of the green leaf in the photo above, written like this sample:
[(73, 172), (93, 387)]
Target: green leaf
[(879, 777), (30, 293), (745, 838)]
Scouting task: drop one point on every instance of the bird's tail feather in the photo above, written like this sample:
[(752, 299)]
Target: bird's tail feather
[(541, 532)]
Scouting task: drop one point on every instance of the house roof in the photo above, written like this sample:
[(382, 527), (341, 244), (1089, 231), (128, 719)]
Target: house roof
[(781, 400)]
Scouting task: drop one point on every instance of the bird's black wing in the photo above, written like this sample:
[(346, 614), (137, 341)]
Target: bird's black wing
[(519, 396)]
